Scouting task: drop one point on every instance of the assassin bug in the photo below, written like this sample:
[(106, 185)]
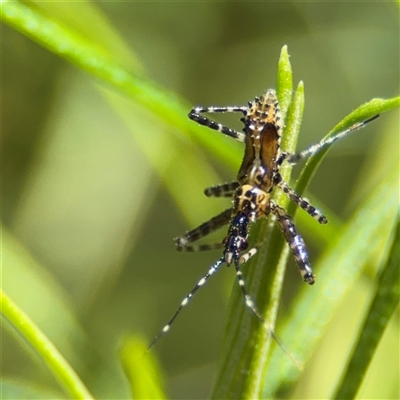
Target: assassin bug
[(258, 176)]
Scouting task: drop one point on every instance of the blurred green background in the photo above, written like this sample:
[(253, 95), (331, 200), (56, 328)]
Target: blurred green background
[(91, 217)]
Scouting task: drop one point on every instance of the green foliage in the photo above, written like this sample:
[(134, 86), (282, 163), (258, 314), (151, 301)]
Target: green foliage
[(384, 305), (67, 377), (337, 272), (250, 365), (141, 369)]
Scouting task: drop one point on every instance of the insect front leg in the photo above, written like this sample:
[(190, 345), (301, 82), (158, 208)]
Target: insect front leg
[(196, 112), (214, 268), (184, 243)]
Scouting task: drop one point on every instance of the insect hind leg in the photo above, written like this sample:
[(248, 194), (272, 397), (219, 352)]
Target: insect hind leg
[(214, 268), (251, 305), (248, 299), (295, 242)]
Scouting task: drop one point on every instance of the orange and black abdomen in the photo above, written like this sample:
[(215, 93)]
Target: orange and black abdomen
[(269, 152)]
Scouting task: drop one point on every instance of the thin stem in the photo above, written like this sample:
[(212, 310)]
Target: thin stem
[(58, 365)]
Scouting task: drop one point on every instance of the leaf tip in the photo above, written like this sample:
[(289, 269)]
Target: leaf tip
[(141, 368), (284, 51)]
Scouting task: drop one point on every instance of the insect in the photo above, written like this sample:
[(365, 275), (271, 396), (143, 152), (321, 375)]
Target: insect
[(258, 176)]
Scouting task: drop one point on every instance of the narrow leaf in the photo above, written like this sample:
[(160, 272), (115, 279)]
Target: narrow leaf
[(246, 343), (142, 370), (384, 305), (54, 360), (284, 82), (338, 270), (92, 58)]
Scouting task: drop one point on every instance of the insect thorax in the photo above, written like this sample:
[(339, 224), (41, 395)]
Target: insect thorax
[(251, 201)]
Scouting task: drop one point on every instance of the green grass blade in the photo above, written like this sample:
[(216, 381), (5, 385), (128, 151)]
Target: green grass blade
[(381, 310), (57, 364), (94, 59), (142, 370), (284, 82), (21, 269), (99, 31), (272, 261), (246, 344), (338, 270)]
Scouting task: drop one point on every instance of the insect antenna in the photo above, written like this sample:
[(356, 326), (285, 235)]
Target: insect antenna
[(214, 268), (252, 306)]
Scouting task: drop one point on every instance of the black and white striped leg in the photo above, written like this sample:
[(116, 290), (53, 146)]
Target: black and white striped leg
[(214, 268), (315, 148), (303, 203), (183, 243), (284, 155), (195, 116), (246, 257), (248, 300), (250, 304), (295, 243), (222, 190), (191, 248)]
